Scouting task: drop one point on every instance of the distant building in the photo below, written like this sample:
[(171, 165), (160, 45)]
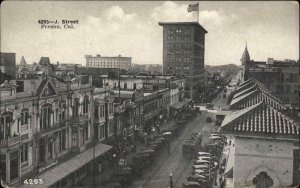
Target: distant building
[(7, 66), (147, 69), (183, 52), (108, 62), (281, 77)]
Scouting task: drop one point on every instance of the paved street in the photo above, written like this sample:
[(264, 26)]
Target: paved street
[(158, 175)]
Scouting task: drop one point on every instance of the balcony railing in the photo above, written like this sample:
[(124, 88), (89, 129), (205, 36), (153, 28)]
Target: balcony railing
[(10, 141), (54, 126), (79, 119)]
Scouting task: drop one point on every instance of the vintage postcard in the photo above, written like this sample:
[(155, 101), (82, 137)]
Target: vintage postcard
[(149, 94)]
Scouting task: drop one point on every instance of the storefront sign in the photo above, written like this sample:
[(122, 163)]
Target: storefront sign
[(262, 70)]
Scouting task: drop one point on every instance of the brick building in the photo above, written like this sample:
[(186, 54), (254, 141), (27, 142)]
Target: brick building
[(183, 53)]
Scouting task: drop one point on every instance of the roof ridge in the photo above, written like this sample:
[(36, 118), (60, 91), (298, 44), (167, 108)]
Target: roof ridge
[(230, 118)]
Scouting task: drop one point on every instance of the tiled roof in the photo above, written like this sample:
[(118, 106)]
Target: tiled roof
[(245, 85), (260, 118), (241, 97), (245, 91), (253, 95), (246, 82)]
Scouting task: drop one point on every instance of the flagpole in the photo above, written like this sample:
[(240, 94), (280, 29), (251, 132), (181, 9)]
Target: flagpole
[(198, 13)]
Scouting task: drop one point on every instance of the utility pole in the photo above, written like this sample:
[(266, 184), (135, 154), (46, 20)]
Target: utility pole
[(119, 80), (93, 162)]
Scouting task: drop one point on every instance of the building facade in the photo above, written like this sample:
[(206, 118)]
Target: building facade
[(45, 122), (7, 66), (99, 61), (281, 77)]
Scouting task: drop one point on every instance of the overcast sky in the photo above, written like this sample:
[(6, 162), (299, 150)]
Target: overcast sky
[(129, 28)]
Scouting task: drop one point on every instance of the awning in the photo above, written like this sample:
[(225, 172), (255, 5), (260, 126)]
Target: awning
[(180, 104), (62, 170)]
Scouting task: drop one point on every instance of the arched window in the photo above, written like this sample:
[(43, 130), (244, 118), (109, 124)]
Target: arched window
[(76, 107), (85, 105), (5, 125), (262, 180)]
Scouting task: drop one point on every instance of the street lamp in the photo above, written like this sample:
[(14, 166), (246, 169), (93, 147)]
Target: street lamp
[(115, 160), (171, 180)]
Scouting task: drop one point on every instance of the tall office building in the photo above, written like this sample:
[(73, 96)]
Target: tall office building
[(183, 52)]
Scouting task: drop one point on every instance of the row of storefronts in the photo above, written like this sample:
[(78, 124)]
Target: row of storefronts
[(51, 124)]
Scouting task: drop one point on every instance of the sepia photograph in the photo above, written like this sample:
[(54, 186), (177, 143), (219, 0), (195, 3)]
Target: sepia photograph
[(149, 94)]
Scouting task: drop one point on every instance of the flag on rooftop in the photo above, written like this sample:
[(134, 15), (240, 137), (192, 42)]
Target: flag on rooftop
[(193, 7)]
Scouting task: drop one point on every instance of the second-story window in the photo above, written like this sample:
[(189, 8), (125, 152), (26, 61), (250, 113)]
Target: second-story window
[(5, 126), (76, 107), (62, 111), (102, 111), (96, 112), (24, 117), (45, 118), (85, 105)]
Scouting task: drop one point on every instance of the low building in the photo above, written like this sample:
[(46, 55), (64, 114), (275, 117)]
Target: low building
[(264, 137)]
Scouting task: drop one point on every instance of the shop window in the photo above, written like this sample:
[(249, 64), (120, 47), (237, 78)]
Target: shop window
[(42, 150), (24, 154), (3, 166), (14, 165)]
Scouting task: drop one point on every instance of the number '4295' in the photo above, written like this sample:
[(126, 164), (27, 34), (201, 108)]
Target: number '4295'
[(43, 21), (33, 181)]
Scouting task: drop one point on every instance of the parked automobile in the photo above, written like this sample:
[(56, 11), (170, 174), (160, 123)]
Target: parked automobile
[(191, 184), (201, 162), (200, 166), (209, 106), (198, 178)]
